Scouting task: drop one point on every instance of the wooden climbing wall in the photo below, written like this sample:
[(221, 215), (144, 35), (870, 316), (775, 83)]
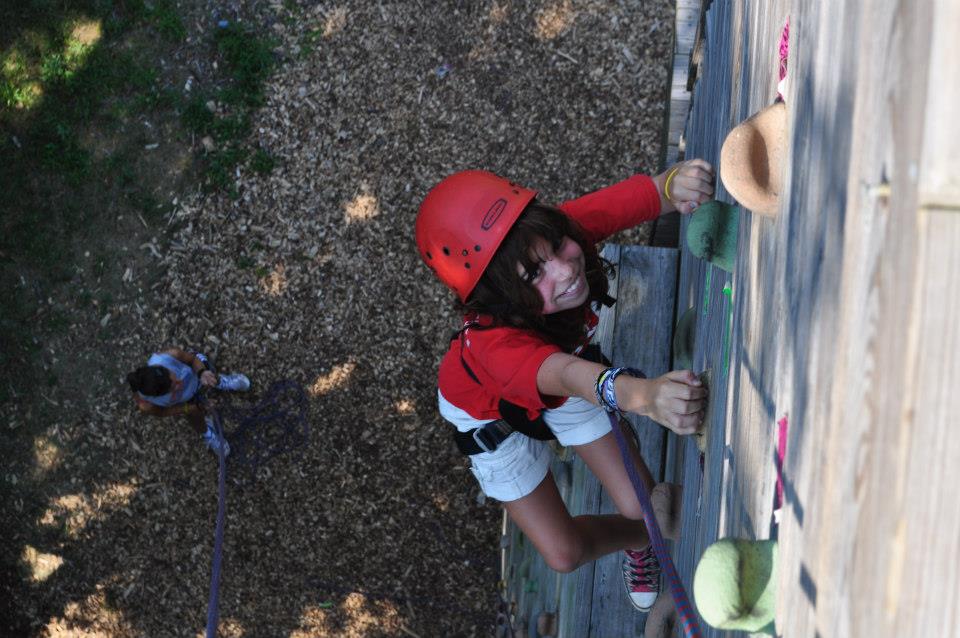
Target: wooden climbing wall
[(840, 316), (728, 490)]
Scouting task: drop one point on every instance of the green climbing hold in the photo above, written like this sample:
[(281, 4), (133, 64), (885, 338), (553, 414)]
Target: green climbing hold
[(712, 233), (684, 339), (735, 585)]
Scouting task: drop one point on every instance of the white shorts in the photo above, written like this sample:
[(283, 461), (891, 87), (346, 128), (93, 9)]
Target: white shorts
[(519, 464)]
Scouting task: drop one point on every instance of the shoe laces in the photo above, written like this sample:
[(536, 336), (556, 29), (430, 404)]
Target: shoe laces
[(641, 570)]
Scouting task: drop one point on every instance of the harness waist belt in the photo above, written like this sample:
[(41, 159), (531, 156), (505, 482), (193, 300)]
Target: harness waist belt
[(485, 439)]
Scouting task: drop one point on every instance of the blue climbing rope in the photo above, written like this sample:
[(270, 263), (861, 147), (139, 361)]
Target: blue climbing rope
[(214, 601)]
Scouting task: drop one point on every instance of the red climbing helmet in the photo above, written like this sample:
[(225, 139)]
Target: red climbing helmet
[(462, 222)]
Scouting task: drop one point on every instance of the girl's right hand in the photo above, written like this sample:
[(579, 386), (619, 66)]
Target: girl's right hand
[(677, 400)]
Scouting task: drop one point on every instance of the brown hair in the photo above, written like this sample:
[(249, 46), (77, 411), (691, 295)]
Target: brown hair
[(511, 300)]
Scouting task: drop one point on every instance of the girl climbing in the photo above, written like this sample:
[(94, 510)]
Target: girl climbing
[(529, 283)]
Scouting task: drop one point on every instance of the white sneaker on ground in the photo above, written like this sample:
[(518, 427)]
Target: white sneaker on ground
[(213, 442), (234, 382)]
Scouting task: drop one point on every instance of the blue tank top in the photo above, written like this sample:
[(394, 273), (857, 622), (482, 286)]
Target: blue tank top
[(184, 388)]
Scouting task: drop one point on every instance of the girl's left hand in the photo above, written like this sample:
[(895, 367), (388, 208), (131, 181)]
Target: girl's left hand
[(685, 186), (208, 378)]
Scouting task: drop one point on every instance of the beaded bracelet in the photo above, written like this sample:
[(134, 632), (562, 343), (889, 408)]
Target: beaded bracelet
[(598, 388)]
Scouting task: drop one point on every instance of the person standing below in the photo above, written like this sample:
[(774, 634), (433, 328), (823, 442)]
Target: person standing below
[(169, 386)]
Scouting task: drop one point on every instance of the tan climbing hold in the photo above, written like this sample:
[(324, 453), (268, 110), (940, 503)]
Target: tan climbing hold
[(752, 158)]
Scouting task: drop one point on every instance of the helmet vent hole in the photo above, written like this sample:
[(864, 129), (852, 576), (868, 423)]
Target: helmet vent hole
[(464, 252), (446, 251), (466, 265), (516, 192), (477, 248), (429, 256)]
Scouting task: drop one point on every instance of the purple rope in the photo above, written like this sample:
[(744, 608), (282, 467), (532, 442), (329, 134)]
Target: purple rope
[(213, 615), (688, 619)]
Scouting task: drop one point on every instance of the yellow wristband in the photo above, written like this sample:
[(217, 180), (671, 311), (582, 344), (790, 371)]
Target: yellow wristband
[(186, 410), (666, 185)]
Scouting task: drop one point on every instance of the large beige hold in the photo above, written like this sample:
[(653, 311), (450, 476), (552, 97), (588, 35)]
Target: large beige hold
[(751, 160)]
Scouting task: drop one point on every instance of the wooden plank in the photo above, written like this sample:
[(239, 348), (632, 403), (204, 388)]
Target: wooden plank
[(641, 338), (922, 584), (688, 15), (758, 315), (643, 329), (679, 110), (678, 83), (732, 494), (814, 551), (700, 286), (888, 433), (576, 589)]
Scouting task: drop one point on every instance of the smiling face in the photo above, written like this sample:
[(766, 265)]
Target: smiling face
[(559, 274)]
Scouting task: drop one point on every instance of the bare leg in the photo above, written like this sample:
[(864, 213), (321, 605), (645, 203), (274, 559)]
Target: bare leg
[(605, 461), (566, 542)]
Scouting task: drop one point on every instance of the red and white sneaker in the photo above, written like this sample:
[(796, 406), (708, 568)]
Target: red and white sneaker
[(641, 576)]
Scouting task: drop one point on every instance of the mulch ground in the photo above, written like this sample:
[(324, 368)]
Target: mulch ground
[(374, 526)]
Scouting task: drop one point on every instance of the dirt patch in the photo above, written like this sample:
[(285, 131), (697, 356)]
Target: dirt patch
[(374, 527)]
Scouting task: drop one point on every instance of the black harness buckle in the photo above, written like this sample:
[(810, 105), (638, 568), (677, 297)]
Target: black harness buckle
[(491, 435)]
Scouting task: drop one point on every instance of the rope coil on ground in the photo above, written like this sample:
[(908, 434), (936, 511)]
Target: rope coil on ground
[(276, 425)]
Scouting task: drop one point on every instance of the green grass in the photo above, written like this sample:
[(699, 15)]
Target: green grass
[(76, 73), (262, 162), (249, 60), (308, 43), (165, 18)]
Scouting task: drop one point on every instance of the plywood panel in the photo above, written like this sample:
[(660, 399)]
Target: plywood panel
[(641, 339), (728, 492)]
